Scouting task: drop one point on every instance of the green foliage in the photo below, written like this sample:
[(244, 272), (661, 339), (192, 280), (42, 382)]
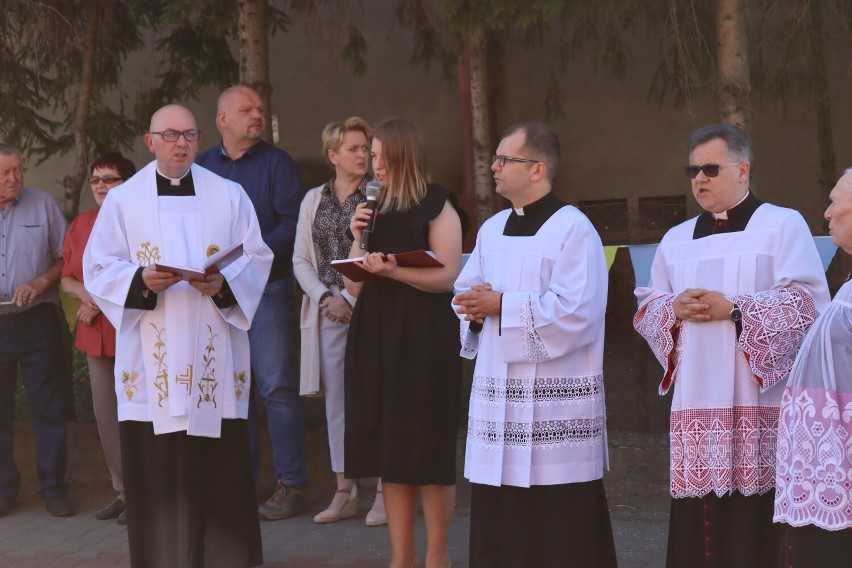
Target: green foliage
[(563, 27), (429, 44), (685, 32), (355, 51), (41, 60), (193, 49), (791, 46)]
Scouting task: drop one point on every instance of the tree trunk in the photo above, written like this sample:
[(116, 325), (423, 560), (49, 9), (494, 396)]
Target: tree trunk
[(822, 103), (732, 69), (73, 184), (254, 54), (482, 146)]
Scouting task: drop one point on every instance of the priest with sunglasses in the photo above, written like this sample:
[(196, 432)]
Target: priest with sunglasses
[(732, 294)]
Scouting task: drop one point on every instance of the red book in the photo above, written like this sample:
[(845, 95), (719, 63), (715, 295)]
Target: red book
[(214, 264), (410, 259)]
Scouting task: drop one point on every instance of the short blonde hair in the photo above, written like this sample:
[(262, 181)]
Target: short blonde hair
[(332, 134), (405, 162)]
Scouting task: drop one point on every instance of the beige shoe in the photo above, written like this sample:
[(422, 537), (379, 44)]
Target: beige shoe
[(376, 518), (347, 511)]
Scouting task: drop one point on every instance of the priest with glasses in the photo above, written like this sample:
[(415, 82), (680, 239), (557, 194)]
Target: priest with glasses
[(182, 355)]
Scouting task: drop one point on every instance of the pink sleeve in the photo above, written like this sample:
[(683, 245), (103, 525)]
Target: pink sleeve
[(774, 324), (656, 322)]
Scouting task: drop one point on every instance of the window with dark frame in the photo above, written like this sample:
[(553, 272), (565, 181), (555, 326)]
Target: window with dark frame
[(634, 220)]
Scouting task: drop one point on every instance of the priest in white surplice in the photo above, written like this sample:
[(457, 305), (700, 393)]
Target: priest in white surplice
[(813, 491), (182, 362), (532, 298), (732, 293)]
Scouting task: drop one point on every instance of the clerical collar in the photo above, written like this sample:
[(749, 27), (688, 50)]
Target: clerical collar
[(527, 220), (541, 204), (181, 186), (736, 218), (724, 214)]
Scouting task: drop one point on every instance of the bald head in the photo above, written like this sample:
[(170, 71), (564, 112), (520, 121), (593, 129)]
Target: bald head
[(233, 93), (174, 158), (839, 212), (167, 113), (239, 119)]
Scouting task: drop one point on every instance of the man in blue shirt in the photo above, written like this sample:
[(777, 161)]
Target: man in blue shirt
[(32, 230), (269, 177)]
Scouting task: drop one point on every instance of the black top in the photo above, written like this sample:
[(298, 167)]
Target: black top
[(738, 217), (185, 188), (534, 216)]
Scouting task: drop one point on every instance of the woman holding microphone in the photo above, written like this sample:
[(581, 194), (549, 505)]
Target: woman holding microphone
[(402, 364), (322, 235)]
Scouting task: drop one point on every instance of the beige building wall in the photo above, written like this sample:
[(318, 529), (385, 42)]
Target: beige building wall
[(616, 140)]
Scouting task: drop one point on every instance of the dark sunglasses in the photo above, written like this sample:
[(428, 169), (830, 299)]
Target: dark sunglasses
[(709, 170)]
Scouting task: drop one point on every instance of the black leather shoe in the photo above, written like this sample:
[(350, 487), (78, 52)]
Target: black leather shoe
[(111, 511), (60, 507), (122, 518), (7, 505)]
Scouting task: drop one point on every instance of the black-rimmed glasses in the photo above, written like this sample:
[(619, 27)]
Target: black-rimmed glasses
[(501, 160), (173, 135), (709, 170)]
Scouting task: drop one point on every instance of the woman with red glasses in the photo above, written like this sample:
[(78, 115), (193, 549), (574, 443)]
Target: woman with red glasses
[(95, 335)]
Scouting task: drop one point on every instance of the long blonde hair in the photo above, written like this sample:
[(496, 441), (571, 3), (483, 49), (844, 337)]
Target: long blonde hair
[(402, 152)]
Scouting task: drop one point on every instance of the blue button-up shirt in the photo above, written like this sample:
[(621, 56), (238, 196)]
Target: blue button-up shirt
[(270, 178), (32, 230)]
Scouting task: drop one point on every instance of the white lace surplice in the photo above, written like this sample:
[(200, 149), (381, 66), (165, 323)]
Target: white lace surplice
[(814, 474), (724, 409), (537, 413)]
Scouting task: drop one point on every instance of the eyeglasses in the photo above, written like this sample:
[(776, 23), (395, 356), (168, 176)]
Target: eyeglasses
[(107, 180), (501, 160), (173, 135), (710, 170)]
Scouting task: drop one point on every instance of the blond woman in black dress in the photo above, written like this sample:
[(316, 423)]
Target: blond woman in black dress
[(402, 366)]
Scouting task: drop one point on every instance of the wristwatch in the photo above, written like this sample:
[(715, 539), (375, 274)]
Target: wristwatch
[(737, 317), (325, 295)]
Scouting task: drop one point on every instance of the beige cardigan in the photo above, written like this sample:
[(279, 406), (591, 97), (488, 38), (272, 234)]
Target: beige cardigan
[(305, 270)]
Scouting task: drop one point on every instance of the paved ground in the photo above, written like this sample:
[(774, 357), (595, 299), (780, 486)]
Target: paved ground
[(30, 538)]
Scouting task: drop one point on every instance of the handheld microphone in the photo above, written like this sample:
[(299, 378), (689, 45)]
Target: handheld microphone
[(372, 190)]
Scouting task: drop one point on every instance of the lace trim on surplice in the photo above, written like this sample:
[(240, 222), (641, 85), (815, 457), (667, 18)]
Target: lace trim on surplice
[(515, 391), (774, 324), (723, 449), (814, 481), (544, 434), (655, 321), (534, 348)]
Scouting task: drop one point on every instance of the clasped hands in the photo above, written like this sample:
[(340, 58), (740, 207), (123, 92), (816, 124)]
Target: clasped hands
[(337, 309), (159, 280), (478, 303), (699, 305), (88, 311)]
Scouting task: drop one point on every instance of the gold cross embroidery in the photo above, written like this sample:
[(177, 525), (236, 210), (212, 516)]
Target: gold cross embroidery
[(186, 379)]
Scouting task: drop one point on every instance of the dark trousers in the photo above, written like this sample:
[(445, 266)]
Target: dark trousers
[(732, 531), (543, 526), (32, 339), (190, 500)]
